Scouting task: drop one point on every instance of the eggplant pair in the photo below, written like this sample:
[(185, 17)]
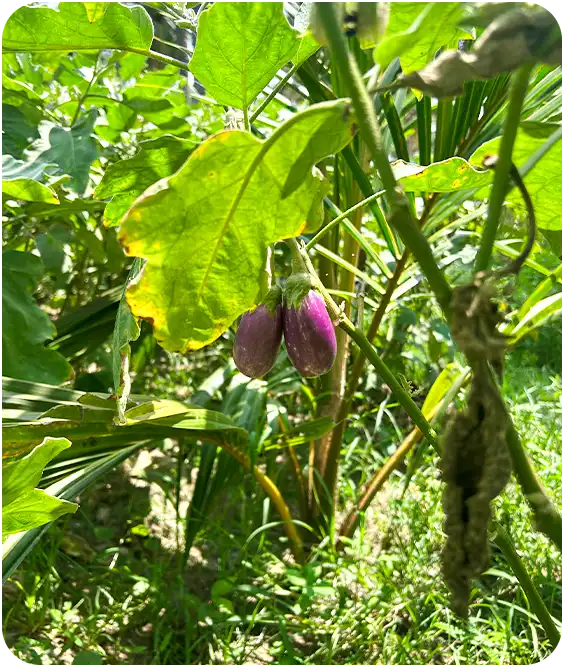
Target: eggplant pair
[(301, 317)]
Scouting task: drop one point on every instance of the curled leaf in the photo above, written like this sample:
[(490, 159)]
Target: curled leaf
[(522, 36)]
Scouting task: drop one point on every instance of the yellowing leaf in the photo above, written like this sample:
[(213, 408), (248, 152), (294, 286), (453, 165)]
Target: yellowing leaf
[(205, 230)]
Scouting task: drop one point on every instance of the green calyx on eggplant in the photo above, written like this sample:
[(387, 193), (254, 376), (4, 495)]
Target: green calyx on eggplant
[(309, 333), (258, 337)]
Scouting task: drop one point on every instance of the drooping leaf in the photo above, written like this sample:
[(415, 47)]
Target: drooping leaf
[(77, 26), (417, 30), (446, 176), (23, 505), (25, 327), (29, 190), (527, 34), (90, 422), (126, 330), (543, 182), (240, 47), (127, 179), (205, 230), (534, 317)]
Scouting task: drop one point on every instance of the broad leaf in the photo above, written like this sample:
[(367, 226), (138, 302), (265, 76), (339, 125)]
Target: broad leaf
[(25, 326), (543, 182), (205, 230), (24, 506), (29, 190), (71, 150), (77, 26), (240, 47), (417, 30), (449, 175), (127, 179)]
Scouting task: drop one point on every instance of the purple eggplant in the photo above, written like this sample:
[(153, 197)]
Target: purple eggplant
[(259, 335), (308, 330)]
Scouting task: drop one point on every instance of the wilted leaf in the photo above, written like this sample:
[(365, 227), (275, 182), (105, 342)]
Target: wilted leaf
[(543, 182), (205, 230), (447, 176), (240, 47), (25, 326), (126, 330), (417, 30), (127, 179), (514, 39), (77, 26)]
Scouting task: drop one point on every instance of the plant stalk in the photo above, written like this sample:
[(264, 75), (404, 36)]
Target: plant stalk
[(504, 542), (367, 122), (519, 86)]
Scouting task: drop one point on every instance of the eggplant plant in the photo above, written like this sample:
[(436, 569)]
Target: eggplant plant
[(367, 156)]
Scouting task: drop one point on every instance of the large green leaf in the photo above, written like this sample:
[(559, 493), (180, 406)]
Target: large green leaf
[(29, 190), (77, 26), (24, 506), (417, 30), (543, 181), (447, 176), (240, 47), (205, 230), (25, 326), (127, 179)]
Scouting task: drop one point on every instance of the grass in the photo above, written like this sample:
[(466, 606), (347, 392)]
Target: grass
[(106, 585)]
